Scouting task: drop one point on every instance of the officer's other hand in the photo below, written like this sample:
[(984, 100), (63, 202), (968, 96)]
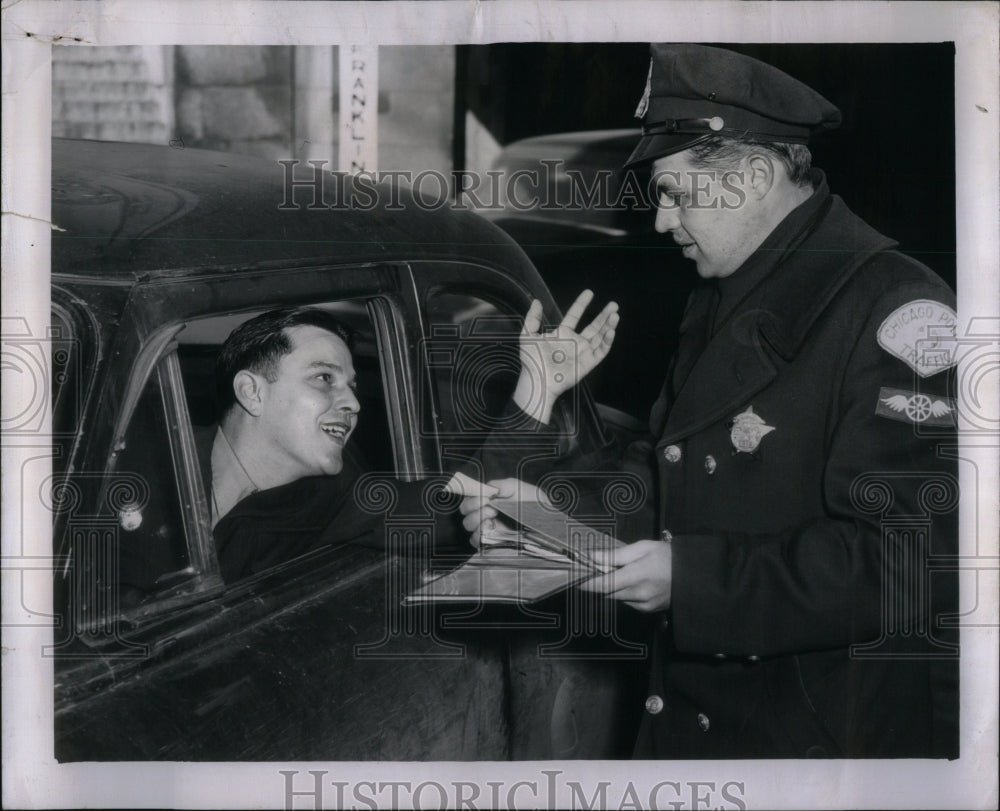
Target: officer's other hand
[(555, 361), (477, 511), (642, 577)]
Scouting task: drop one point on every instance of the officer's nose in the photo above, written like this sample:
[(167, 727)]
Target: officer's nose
[(666, 218)]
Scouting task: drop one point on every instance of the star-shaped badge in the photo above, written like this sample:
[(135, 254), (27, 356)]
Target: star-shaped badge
[(748, 430)]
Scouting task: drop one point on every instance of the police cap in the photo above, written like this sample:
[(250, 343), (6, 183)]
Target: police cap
[(694, 92)]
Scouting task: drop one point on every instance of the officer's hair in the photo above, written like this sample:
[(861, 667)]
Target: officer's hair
[(258, 344), (717, 152)]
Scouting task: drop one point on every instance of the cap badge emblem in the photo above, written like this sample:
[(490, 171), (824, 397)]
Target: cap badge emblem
[(748, 430), (640, 111)]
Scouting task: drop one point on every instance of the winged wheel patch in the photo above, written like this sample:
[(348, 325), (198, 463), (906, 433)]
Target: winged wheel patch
[(915, 407)]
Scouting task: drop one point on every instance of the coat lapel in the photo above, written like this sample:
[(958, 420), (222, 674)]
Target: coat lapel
[(692, 342), (733, 367), (739, 361)]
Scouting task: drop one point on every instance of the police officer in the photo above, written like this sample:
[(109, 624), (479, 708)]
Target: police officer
[(798, 463)]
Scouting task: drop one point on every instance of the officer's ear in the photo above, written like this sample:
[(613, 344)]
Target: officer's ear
[(247, 387), (760, 174)]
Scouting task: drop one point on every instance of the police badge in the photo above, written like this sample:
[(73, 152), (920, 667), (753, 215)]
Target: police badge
[(748, 430)]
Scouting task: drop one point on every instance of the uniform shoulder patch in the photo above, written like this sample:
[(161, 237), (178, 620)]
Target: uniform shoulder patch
[(921, 334)]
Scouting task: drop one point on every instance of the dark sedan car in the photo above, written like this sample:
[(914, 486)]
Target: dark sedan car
[(157, 255)]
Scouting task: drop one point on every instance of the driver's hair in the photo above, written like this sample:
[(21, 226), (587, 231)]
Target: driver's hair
[(258, 344)]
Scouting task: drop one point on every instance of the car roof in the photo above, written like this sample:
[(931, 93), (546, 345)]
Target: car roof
[(123, 212), (595, 149), (565, 225)]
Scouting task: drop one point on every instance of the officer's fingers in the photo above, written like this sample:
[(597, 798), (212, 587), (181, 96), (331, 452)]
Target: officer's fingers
[(644, 595), (533, 318), (651, 595), (601, 584), (646, 606), (628, 553), (615, 582), (573, 314)]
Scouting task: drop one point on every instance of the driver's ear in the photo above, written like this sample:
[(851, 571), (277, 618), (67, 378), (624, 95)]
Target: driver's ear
[(247, 388)]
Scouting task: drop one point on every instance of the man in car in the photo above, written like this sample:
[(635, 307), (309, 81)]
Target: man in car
[(281, 472), (798, 464)]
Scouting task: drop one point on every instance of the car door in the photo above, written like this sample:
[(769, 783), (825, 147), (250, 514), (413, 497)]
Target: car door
[(577, 664), (311, 659)]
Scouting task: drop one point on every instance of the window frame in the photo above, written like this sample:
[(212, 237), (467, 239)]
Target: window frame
[(156, 354), (67, 435), (506, 292), (158, 357)]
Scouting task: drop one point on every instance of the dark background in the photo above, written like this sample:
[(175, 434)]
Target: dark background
[(892, 160)]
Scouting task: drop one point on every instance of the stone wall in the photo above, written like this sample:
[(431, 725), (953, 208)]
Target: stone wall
[(121, 93), (235, 99)]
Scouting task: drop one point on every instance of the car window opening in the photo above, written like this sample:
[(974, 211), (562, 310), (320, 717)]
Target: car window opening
[(472, 353), (153, 545)]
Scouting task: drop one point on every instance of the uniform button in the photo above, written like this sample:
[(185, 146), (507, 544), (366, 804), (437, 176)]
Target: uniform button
[(710, 464), (753, 659), (654, 705), (703, 723), (672, 453), (665, 624), (666, 535), (719, 656)]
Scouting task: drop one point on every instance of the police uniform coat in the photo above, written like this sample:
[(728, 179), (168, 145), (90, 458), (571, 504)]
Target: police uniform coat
[(809, 560)]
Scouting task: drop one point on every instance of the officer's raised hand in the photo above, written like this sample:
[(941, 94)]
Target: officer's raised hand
[(642, 577), (555, 361)]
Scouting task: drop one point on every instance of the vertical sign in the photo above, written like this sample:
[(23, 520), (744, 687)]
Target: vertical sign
[(358, 108)]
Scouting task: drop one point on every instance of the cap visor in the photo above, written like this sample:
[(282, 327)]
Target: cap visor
[(652, 147)]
